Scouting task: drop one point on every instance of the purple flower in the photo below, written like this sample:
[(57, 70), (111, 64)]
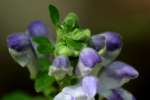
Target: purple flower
[(89, 57), (18, 41), (60, 67), (37, 28), (90, 85), (120, 94), (61, 61), (117, 74), (97, 42), (84, 91), (111, 40), (88, 60), (121, 70), (72, 93)]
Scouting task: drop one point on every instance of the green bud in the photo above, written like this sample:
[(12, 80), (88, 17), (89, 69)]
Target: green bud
[(62, 49), (85, 34), (71, 21), (65, 51), (80, 35)]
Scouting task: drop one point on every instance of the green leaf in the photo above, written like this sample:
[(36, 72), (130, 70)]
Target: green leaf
[(44, 64), (44, 46), (54, 14), (80, 35), (76, 45), (44, 84), (45, 49), (69, 80), (41, 40)]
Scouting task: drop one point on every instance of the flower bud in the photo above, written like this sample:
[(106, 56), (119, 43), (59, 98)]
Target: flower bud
[(89, 57), (121, 70), (60, 67), (120, 94), (62, 49), (71, 21), (80, 35), (117, 74), (111, 40), (61, 62), (18, 42), (21, 51), (97, 42), (87, 61), (37, 28), (108, 45)]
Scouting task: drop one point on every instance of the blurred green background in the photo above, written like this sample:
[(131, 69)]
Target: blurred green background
[(131, 18)]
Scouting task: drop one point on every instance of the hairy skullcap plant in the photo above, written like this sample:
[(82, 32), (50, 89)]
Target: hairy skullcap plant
[(77, 66)]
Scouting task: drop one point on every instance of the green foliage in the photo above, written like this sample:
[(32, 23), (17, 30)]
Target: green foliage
[(54, 14), (44, 46), (75, 45), (68, 81), (62, 49), (44, 49), (80, 34), (71, 21), (18, 95), (44, 84), (40, 40), (44, 64), (70, 38)]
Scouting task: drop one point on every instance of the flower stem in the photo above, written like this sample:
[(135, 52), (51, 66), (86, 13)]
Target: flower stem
[(33, 70)]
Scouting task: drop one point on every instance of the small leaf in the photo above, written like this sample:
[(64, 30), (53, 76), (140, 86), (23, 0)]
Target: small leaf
[(80, 35), (44, 46), (75, 44), (62, 49), (45, 49), (41, 40), (44, 83), (71, 21), (69, 80), (44, 64), (54, 14)]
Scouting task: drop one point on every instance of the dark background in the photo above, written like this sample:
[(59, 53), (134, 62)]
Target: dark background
[(131, 18)]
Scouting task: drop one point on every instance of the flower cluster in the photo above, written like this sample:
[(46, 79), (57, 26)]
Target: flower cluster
[(99, 73), (83, 67)]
